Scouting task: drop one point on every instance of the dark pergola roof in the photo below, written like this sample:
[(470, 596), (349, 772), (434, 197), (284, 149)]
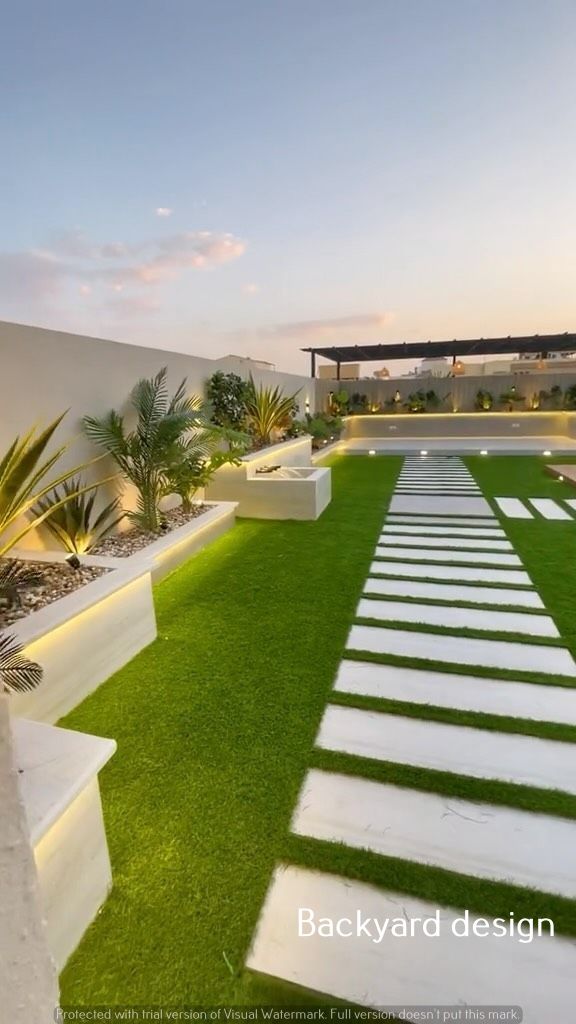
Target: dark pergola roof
[(454, 349)]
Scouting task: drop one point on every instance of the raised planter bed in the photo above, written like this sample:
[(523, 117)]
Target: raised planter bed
[(171, 549), (83, 638), (278, 482), (58, 778)]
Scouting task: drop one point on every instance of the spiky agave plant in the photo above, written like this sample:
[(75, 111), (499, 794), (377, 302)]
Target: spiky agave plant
[(71, 520), (145, 453), (267, 409), (17, 673), (24, 470)]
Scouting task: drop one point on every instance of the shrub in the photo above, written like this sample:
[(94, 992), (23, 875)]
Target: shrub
[(339, 402), (23, 472), (510, 398), (484, 400), (227, 393), (147, 453), (358, 403), (73, 522), (570, 397), (267, 410)]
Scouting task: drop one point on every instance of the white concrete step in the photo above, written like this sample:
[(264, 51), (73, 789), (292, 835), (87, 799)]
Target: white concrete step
[(453, 573), (412, 971), (513, 508), (539, 702), (452, 592), (445, 521), (550, 509), (428, 541), (479, 753), (484, 840), (434, 505), (462, 650), (426, 530), (431, 554), (466, 618)]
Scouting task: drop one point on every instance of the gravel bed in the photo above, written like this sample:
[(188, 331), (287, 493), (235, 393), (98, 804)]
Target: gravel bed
[(58, 580), (122, 545)]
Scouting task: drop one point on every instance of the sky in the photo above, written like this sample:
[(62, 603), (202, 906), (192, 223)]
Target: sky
[(256, 176)]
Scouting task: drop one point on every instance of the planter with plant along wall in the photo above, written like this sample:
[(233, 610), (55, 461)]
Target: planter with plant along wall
[(58, 778), (278, 482), (83, 638), (171, 549)]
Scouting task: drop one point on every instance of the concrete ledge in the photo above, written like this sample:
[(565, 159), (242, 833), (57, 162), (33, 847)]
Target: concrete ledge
[(58, 778), (83, 638)]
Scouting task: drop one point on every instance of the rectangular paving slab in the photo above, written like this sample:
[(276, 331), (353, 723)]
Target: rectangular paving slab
[(412, 971), (550, 509), (452, 592), (491, 522), (478, 839), (542, 703), (460, 650), (494, 621), (480, 753), (514, 508), (464, 573), (429, 541), (446, 555), (426, 530), (461, 505)]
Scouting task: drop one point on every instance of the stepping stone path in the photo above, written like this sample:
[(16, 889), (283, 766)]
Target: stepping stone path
[(440, 552)]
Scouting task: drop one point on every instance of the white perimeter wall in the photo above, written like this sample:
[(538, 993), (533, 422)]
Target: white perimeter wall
[(44, 372)]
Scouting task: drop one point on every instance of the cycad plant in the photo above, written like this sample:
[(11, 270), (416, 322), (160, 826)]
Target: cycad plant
[(146, 453), (25, 480), (197, 459), (15, 577), (17, 672), (267, 409), (70, 518)]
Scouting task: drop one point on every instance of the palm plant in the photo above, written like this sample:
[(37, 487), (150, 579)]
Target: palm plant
[(146, 453), (14, 577), (23, 472), (267, 409), (17, 672), (70, 517)]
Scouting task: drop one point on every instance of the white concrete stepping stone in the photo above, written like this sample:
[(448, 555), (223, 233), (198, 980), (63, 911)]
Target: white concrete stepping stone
[(440, 489), (455, 617), (446, 555), (461, 650), (413, 971), (445, 531), (454, 573), (451, 521), (542, 703), (549, 508), (571, 502), (452, 592), (479, 753), (428, 541), (478, 839), (461, 505), (514, 508)]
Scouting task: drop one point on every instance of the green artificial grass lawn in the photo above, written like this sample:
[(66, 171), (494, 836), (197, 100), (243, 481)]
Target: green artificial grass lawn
[(215, 724)]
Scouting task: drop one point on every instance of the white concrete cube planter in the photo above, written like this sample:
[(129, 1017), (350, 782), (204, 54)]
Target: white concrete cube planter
[(58, 778), (295, 489)]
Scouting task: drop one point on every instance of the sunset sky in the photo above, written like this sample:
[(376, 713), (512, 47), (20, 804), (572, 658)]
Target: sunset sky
[(254, 176)]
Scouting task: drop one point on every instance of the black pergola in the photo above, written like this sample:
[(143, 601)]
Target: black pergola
[(537, 343)]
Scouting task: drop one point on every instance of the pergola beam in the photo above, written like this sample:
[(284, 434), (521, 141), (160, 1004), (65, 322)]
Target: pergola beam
[(444, 349)]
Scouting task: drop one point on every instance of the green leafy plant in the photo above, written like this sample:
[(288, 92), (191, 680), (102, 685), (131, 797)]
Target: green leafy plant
[(358, 403), (511, 397), (267, 410), (17, 673), (24, 469), (70, 517), (416, 401), (227, 393), (196, 459), (484, 400), (147, 453), (570, 397), (322, 426), (339, 401), (14, 577)]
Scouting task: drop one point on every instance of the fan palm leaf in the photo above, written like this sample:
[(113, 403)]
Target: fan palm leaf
[(17, 673)]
